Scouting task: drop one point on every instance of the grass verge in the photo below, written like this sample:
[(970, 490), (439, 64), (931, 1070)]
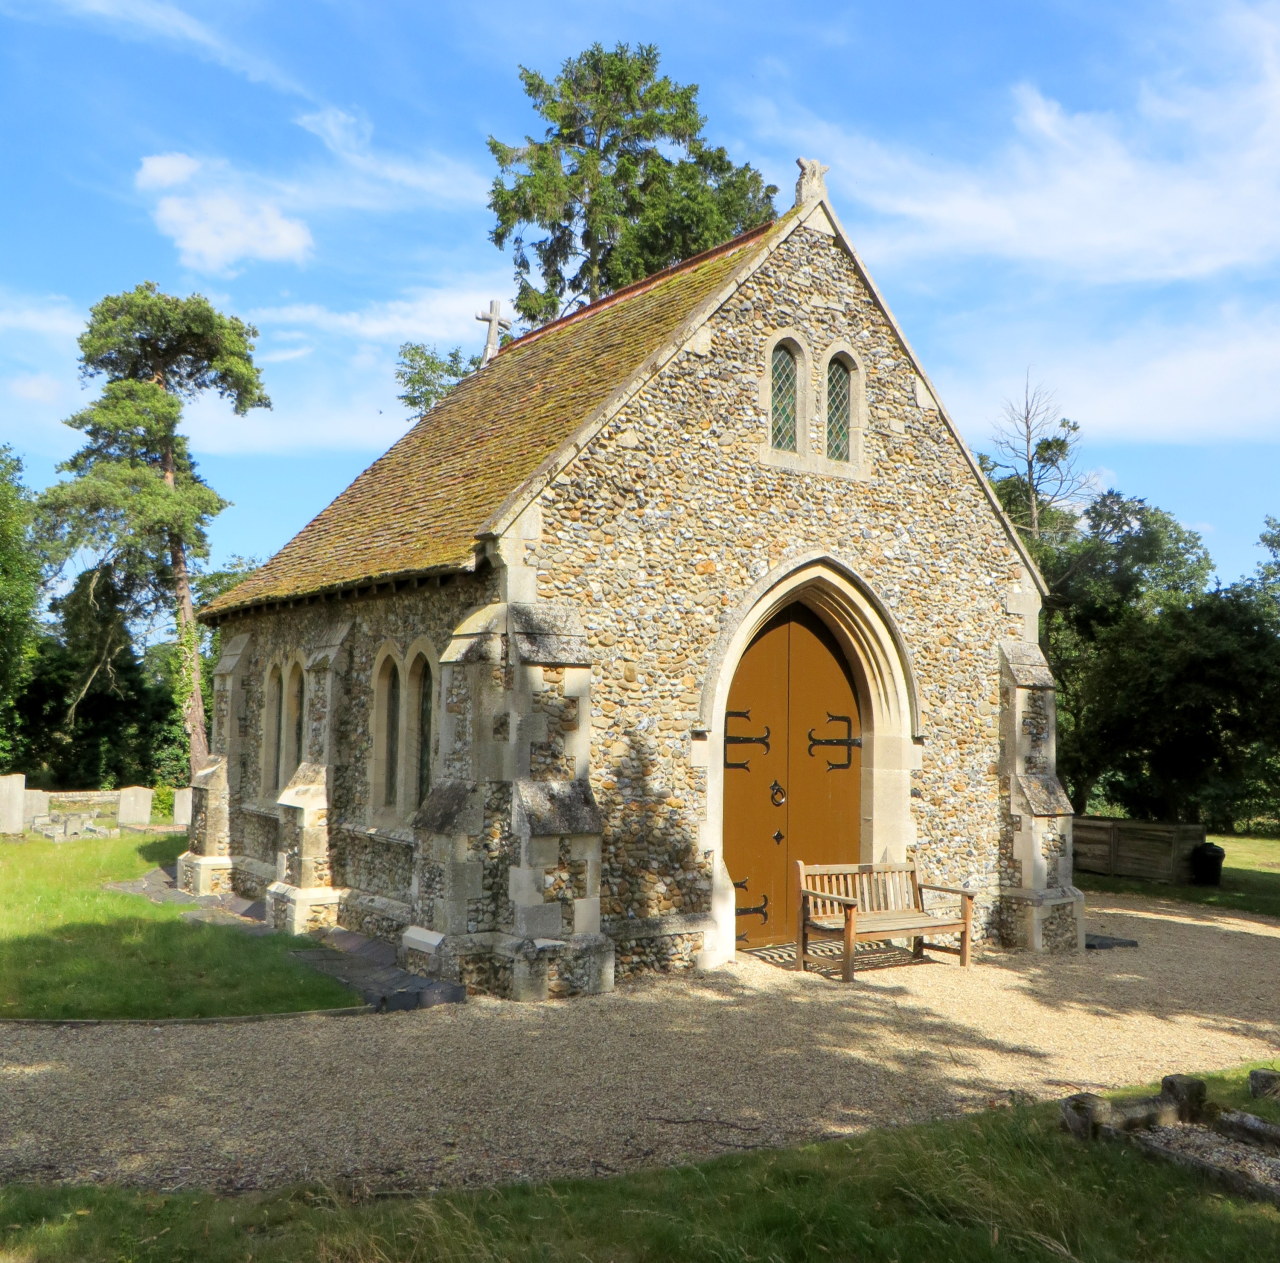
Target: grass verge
[(70, 949), (1250, 880), (997, 1186)]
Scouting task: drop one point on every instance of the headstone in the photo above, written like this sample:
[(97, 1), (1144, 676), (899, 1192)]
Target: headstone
[(182, 806), (35, 802), (135, 806), (12, 790)]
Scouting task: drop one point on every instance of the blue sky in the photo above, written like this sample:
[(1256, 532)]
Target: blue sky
[(1088, 192)]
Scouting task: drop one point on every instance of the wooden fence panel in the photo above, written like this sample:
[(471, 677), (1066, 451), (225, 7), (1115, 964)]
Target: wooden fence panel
[(1135, 848)]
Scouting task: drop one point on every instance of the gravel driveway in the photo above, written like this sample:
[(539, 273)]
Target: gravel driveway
[(661, 1071)]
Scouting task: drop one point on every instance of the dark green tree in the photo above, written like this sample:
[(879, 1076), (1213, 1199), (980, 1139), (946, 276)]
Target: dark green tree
[(1127, 565), (134, 497), (622, 182), (19, 590), (91, 714)]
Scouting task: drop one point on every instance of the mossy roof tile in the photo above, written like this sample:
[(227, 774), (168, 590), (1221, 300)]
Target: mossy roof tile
[(421, 507)]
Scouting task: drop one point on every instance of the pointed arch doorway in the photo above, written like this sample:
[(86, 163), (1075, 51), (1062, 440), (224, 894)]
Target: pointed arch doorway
[(792, 769)]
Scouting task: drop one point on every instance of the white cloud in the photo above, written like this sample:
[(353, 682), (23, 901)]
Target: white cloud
[(214, 231), (165, 170), (225, 219), (53, 317), (1183, 183)]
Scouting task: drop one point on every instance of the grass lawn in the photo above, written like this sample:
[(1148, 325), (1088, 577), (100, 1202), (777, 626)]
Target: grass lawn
[(1250, 880), (991, 1187), (68, 948)]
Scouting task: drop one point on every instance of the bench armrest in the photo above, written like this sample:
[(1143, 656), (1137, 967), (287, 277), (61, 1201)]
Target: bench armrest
[(840, 899), (949, 890)]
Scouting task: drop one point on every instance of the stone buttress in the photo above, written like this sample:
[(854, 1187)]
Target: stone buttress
[(507, 874)]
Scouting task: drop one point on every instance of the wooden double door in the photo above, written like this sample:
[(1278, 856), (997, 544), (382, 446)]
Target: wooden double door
[(793, 769)]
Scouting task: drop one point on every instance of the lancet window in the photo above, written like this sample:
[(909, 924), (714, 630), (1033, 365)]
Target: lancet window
[(784, 421)]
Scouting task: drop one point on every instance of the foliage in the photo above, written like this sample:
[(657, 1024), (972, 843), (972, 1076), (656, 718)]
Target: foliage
[(426, 376), (19, 589), (91, 714), (603, 185), (134, 499), (986, 1188), (70, 949)]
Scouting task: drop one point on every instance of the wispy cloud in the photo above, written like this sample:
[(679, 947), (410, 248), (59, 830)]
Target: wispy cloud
[(430, 177), (156, 20), (1181, 184), (1213, 376)]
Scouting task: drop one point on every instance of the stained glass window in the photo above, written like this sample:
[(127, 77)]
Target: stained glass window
[(783, 400), (839, 407)]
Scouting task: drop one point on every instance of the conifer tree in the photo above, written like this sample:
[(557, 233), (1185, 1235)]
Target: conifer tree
[(134, 497), (622, 183)]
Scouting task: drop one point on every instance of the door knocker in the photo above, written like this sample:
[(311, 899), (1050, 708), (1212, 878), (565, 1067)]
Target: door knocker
[(777, 795)]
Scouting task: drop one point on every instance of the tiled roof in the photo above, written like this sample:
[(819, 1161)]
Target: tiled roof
[(421, 506)]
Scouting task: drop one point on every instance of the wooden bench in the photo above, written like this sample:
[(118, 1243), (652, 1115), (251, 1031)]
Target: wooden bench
[(865, 903)]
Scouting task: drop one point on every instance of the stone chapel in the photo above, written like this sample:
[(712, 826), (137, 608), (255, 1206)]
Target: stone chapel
[(689, 584)]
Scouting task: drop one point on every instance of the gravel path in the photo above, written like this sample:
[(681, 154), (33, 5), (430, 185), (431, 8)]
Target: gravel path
[(663, 1071)]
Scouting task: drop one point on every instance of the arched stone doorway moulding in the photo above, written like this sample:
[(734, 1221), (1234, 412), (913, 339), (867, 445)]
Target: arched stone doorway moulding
[(887, 697)]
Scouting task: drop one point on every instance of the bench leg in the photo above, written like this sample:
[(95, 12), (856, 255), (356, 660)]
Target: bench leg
[(802, 937), (850, 937), (917, 948)]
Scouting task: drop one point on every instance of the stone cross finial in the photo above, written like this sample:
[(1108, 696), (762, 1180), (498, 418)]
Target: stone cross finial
[(810, 186), (497, 323)]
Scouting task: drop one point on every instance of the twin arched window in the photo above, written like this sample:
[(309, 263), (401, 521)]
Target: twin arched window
[(402, 736), (785, 404)]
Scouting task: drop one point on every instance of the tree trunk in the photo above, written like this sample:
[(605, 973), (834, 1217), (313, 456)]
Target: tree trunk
[(193, 719), (188, 641)]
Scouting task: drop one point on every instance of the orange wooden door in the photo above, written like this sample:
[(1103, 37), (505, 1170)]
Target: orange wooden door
[(792, 769)]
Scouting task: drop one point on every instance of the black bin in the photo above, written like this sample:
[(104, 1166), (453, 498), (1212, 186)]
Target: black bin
[(1206, 864)]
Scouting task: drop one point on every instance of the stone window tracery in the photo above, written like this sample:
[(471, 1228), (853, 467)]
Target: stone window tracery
[(293, 720)]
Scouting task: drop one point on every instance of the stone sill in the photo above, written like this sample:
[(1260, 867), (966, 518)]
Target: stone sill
[(658, 927), (377, 833)]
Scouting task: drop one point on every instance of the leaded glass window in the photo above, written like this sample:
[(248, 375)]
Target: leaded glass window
[(391, 778), (839, 408), (424, 731), (783, 400)]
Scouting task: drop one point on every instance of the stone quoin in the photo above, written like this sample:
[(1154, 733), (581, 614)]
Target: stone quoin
[(479, 705)]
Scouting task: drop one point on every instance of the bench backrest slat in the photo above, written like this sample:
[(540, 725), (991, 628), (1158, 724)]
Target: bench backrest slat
[(876, 887)]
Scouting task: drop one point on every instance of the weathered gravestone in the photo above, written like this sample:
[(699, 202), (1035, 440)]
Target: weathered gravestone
[(12, 789), (135, 806), (182, 806)]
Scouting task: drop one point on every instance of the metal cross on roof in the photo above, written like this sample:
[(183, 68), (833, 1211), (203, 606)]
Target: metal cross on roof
[(497, 323)]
